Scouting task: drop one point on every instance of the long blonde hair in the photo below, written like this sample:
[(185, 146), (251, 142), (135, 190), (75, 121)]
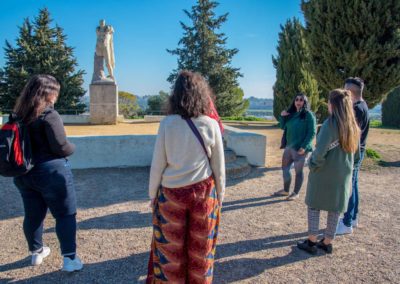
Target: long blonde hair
[(343, 114)]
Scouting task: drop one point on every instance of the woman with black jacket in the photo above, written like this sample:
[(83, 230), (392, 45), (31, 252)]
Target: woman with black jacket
[(49, 185)]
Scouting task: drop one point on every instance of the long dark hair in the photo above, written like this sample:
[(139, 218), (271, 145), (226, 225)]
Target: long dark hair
[(190, 96), (306, 107), (35, 96)]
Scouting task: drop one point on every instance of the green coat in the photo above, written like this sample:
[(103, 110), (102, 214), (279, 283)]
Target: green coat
[(329, 181), (299, 132)]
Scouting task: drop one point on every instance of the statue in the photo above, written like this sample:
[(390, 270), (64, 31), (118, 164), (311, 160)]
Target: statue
[(104, 52)]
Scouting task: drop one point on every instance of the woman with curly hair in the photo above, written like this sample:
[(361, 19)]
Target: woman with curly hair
[(187, 184)]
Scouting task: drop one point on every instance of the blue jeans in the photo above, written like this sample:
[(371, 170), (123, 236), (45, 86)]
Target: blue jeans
[(352, 208), (49, 185)]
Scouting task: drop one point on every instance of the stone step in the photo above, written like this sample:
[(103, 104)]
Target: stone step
[(237, 169), (230, 156)]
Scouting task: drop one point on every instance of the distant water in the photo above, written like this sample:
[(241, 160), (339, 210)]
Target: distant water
[(375, 113)]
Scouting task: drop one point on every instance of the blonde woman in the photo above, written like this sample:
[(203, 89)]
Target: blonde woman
[(331, 165)]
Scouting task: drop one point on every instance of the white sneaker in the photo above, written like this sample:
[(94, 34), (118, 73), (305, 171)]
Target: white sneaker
[(354, 223), (342, 229), (292, 197), (37, 257), (71, 265)]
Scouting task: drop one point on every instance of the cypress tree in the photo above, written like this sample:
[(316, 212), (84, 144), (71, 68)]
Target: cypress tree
[(42, 49), (202, 49), (292, 74), (390, 109), (354, 38)]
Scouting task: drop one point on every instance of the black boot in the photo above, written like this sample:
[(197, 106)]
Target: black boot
[(324, 247)]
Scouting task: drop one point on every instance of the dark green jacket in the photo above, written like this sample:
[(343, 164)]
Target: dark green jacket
[(299, 132), (329, 181)]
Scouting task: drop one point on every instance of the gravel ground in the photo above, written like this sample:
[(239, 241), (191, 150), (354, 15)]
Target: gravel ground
[(257, 235)]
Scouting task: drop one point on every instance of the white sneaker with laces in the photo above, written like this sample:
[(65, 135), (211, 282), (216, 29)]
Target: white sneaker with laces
[(37, 257), (71, 265), (342, 229)]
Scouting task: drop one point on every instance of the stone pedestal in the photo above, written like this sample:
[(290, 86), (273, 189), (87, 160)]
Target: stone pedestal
[(103, 102)]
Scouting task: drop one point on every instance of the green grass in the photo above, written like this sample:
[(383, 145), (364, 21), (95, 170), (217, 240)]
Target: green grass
[(243, 118), (372, 154), (375, 124), (378, 124)]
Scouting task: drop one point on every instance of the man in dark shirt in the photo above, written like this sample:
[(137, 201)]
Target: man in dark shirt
[(355, 86)]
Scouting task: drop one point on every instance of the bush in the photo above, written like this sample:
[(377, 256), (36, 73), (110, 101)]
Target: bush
[(372, 154), (375, 123), (391, 108)]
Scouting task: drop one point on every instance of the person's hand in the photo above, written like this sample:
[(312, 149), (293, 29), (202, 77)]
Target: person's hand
[(301, 151), (284, 113)]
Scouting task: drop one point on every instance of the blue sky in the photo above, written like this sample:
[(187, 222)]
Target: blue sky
[(145, 29)]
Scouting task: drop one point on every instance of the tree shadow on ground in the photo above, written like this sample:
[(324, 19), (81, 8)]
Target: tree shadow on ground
[(243, 268), (251, 202), (94, 188), (255, 173), (131, 269), (101, 187), (389, 164), (117, 221)]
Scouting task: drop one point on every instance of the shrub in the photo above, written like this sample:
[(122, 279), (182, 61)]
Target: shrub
[(372, 154), (391, 108)]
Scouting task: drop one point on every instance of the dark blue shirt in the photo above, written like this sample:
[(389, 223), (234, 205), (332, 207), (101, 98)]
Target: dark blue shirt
[(362, 117)]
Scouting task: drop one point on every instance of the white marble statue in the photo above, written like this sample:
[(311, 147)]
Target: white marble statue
[(104, 53)]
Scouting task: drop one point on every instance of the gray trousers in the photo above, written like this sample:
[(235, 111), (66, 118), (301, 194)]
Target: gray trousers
[(290, 156)]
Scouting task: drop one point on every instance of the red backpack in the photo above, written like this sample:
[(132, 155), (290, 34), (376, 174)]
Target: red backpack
[(15, 148)]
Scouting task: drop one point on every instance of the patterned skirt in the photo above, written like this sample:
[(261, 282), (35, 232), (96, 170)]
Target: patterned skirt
[(185, 228)]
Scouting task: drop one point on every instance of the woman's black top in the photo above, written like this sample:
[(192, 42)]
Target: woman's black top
[(48, 138)]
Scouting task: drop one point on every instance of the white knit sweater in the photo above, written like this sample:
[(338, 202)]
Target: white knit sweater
[(179, 159)]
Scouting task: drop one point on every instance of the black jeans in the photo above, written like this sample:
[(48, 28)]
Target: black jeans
[(49, 185)]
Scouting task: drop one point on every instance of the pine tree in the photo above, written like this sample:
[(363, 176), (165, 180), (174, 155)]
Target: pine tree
[(390, 109), (202, 49), (42, 49), (292, 75), (354, 38)]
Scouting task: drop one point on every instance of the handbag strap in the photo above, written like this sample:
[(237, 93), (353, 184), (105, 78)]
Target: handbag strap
[(198, 136)]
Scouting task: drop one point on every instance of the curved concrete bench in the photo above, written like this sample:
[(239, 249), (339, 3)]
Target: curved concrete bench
[(137, 150)]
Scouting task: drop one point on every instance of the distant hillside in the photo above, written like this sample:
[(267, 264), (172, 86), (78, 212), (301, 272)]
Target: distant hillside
[(259, 103)]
